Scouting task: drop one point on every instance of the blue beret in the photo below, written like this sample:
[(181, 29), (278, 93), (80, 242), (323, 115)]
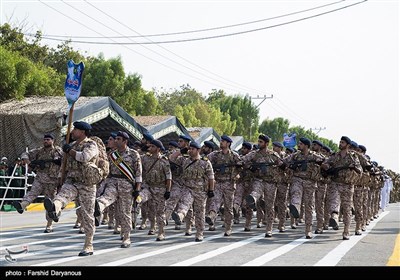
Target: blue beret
[(209, 144), (354, 144), (226, 138), (194, 145), (263, 137), (113, 135), (173, 143), (346, 139), (137, 143), (290, 149), (318, 143), (184, 137), (158, 144), (82, 125), (49, 135), (123, 134), (148, 136), (305, 141), (326, 148), (363, 148), (247, 145), (278, 144)]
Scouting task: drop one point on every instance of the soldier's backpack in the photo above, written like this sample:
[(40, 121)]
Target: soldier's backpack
[(95, 172)]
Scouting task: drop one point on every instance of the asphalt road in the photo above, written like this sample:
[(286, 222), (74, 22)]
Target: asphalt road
[(376, 247)]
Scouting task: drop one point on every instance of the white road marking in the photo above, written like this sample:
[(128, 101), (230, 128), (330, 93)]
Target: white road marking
[(219, 251), (335, 255)]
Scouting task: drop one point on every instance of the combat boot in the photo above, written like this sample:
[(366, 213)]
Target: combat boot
[(87, 248), (126, 241), (160, 237), (177, 217), (308, 235), (20, 206), (210, 218), (294, 211), (333, 221), (251, 202), (48, 228), (53, 208), (199, 237)]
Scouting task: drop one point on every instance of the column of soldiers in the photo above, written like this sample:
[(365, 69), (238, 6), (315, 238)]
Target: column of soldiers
[(190, 183)]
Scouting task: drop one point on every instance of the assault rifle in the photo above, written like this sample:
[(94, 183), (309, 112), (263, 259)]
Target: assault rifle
[(334, 171), (262, 166), (301, 165), (221, 167), (41, 163)]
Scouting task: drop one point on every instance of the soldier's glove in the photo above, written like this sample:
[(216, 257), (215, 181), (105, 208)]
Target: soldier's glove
[(167, 194), (135, 194), (66, 148), (57, 161), (210, 194)]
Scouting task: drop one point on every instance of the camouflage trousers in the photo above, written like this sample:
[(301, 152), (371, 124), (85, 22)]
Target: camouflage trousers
[(261, 187), (304, 188), (281, 202), (48, 189), (224, 193), (243, 189), (320, 194), (358, 201), (86, 196), (196, 198), (154, 195), (341, 195), (176, 195)]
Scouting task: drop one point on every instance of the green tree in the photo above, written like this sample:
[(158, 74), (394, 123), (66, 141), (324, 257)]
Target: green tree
[(275, 128)]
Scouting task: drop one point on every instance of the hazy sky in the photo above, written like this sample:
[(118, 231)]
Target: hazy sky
[(337, 70)]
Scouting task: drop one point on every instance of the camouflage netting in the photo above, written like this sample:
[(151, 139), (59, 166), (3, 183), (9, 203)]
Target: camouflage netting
[(23, 123)]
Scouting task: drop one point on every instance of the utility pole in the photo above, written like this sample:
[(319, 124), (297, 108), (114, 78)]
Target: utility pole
[(319, 129), (263, 99)]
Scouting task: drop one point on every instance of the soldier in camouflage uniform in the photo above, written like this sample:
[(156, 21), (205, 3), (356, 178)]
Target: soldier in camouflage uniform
[(157, 180), (326, 152), (363, 150), (144, 207), (207, 148), (197, 185), (121, 184), (77, 185), (264, 164), (306, 170), (225, 165), (358, 197), (346, 168), (46, 162), (320, 192), (282, 189), (244, 187), (176, 190)]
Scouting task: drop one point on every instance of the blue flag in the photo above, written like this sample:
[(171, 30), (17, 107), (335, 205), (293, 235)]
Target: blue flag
[(73, 83), (289, 140)]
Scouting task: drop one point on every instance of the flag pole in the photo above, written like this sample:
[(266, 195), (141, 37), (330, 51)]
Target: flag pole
[(73, 86)]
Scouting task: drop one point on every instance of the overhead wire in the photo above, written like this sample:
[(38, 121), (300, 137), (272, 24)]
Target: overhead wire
[(145, 56), (209, 37), (230, 83), (194, 31)]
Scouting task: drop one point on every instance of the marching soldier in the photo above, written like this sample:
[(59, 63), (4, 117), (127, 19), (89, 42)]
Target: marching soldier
[(306, 170), (225, 165), (78, 185), (197, 185), (344, 167), (264, 163), (125, 179), (46, 162), (157, 180)]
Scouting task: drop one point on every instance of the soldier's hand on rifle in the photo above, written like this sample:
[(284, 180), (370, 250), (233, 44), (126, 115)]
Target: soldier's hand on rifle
[(210, 194), (57, 161), (135, 194), (66, 148), (167, 194)]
